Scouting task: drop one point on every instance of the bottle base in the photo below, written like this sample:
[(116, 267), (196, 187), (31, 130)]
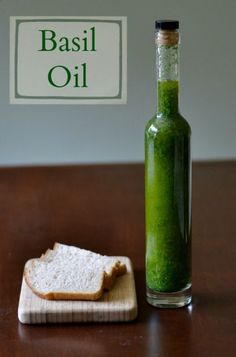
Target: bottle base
[(169, 300)]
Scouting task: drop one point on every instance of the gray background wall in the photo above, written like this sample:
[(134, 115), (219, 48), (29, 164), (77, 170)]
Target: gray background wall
[(36, 134)]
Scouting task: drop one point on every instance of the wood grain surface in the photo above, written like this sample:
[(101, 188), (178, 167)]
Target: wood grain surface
[(101, 208), (118, 304)]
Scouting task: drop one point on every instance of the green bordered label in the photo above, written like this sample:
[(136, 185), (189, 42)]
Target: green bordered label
[(68, 60)]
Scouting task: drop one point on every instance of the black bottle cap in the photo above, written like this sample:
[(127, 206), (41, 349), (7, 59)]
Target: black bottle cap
[(166, 24)]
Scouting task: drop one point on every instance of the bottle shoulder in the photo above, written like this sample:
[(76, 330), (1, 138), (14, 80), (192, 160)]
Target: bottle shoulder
[(176, 125)]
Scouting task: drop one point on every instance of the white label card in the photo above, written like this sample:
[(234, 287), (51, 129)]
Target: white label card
[(68, 60)]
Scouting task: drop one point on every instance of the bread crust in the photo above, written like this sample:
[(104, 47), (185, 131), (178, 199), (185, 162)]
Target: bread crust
[(44, 255), (117, 270)]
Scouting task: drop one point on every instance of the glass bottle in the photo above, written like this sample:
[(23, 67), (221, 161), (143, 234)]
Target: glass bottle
[(168, 182)]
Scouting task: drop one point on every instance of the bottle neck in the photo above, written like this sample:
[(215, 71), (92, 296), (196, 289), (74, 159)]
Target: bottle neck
[(167, 55)]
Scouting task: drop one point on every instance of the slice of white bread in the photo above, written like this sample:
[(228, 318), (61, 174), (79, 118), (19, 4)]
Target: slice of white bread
[(71, 273)]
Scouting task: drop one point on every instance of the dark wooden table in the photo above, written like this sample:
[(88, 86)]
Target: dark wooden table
[(102, 208)]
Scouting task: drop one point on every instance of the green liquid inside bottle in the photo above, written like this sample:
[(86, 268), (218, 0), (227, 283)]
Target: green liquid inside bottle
[(167, 192)]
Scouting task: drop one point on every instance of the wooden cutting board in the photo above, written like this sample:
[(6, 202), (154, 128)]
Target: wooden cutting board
[(119, 304)]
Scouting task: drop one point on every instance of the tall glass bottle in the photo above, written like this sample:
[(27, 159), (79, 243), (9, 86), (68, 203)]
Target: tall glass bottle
[(168, 182)]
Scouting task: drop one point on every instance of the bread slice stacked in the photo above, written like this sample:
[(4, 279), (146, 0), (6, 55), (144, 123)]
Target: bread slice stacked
[(70, 273)]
